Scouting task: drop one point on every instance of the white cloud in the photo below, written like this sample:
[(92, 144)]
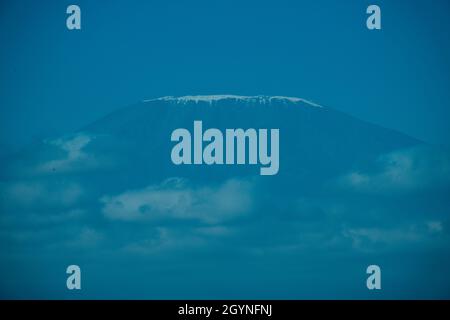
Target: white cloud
[(174, 199), (414, 169), (74, 155)]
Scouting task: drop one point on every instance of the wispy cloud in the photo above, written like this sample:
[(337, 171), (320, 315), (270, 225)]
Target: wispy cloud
[(416, 169), (393, 236), (88, 237), (435, 226), (164, 240), (73, 156), (40, 194)]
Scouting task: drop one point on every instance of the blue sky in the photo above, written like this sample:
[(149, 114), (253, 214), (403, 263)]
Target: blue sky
[(53, 79), (348, 194)]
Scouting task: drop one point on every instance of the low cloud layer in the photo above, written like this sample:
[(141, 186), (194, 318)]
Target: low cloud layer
[(417, 169), (175, 199), (36, 194)]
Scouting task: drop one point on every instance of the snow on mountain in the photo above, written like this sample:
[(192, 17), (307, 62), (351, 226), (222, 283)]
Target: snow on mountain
[(214, 98)]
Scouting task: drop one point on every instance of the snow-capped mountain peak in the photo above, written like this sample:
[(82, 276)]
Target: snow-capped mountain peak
[(214, 98)]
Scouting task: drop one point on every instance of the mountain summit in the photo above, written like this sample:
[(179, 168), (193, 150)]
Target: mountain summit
[(215, 98)]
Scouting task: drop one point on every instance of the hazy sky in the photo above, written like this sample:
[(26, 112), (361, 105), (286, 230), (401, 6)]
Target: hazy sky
[(111, 201), (54, 80)]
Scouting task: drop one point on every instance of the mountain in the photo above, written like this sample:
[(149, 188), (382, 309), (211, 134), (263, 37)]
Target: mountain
[(315, 141), (130, 149), (347, 193)]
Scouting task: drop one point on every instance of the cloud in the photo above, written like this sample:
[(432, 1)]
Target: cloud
[(410, 170), (41, 219), (362, 236), (74, 155), (87, 237), (166, 239), (175, 199), (68, 155), (214, 231), (401, 234), (435, 226), (40, 194)]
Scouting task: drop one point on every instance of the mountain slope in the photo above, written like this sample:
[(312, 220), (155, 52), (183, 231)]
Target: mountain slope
[(313, 139)]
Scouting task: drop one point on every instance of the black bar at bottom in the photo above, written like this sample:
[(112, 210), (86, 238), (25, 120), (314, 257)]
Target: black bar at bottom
[(227, 309)]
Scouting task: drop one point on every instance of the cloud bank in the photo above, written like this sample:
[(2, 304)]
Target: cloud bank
[(175, 199)]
